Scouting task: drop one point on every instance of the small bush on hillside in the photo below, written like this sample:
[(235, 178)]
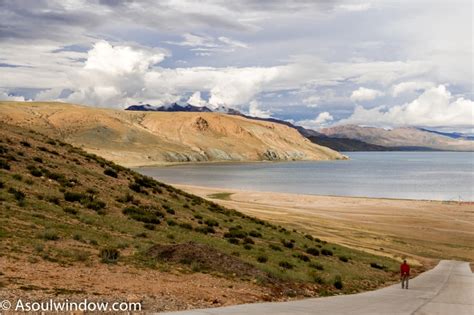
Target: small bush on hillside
[(25, 144), (170, 211), (326, 252), (308, 236), (18, 194), (205, 229), (70, 210), (235, 233), (38, 159), (302, 257), (343, 259), (4, 165), (248, 246), (127, 198), (338, 282), (109, 255), (234, 241), (285, 265), (287, 244), (2, 185), (143, 214), (211, 222), (53, 199), (313, 251), (36, 172), (171, 222), (316, 266), (186, 226), (275, 247), (149, 226), (377, 266), (71, 196), (262, 259), (50, 235), (318, 279), (254, 233), (110, 172), (17, 177)]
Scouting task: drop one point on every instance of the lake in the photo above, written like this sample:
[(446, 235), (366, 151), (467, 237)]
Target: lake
[(407, 175)]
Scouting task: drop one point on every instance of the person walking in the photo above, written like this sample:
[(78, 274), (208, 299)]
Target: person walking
[(404, 274)]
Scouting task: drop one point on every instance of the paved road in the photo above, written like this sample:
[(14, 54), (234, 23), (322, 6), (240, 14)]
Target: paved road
[(446, 289)]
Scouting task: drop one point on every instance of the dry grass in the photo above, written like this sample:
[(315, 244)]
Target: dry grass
[(424, 231)]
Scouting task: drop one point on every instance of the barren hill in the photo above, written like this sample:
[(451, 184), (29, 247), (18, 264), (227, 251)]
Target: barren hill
[(144, 138), (406, 137)]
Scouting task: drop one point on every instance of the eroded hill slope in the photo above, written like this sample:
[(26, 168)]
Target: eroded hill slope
[(146, 138)]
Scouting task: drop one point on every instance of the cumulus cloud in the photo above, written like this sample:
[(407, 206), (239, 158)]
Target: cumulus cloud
[(436, 107), (196, 100), (410, 86), (322, 120), (4, 96), (255, 111), (365, 94)]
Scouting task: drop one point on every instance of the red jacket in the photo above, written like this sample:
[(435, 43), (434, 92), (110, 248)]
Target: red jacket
[(405, 269)]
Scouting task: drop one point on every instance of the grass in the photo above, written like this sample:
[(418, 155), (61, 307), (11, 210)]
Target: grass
[(220, 196), (81, 212)]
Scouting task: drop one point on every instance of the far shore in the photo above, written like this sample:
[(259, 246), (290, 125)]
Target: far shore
[(423, 231)]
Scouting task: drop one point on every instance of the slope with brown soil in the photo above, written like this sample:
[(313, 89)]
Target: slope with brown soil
[(146, 138)]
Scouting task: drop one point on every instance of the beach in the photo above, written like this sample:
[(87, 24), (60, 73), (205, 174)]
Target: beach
[(423, 231)]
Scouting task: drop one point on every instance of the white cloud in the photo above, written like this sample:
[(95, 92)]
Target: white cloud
[(410, 86), (436, 107), (312, 101), (196, 100), (356, 6), (4, 96), (255, 111), (365, 94), (320, 121)]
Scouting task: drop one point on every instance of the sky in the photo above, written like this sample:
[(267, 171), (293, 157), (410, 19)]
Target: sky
[(316, 63)]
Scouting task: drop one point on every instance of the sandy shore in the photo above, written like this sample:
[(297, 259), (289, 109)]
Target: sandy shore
[(423, 231)]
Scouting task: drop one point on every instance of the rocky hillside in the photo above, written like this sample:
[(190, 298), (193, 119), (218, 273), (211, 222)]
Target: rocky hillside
[(401, 138), (74, 225), (145, 138)]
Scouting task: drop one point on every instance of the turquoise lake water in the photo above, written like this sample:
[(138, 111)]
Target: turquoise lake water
[(407, 175)]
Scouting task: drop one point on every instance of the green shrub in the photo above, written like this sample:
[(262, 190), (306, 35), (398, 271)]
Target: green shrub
[(262, 259), (338, 282), (285, 265), (211, 222), (36, 172), (275, 247), (316, 266), (235, 233), (234, 241), (377, 266), (170, 211), (25, 144), (50, 235), (109, 255), (110, 172), (149, 226), (171, 222), (186, 226), (318, 279), (17, 177), (308, 236), (143, 214), (287, 244), (254, 233), (4, 165), (18, 194), (248, 246), (205, 229), (326, 252), (343, 258), (313, 251), (71, 210), (71, 196), (38, 159), (248, 240), (302, 257)]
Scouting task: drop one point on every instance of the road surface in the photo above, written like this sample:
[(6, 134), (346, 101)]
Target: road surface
[(446, 289)]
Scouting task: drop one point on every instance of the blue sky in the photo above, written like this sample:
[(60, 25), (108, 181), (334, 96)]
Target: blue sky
[(317, 63)]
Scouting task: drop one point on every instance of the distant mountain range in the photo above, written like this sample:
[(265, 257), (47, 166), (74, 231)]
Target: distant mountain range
[(403, 138), (349, 137)]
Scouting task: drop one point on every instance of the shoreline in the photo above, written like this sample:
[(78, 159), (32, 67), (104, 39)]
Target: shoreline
[(422, 230)]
